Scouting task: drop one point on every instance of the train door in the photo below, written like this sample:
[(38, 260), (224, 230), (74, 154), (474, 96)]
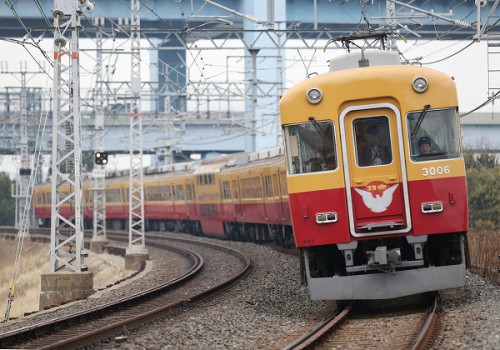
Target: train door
[(375, 171), (266, 193), (238, 195), (285, 209)]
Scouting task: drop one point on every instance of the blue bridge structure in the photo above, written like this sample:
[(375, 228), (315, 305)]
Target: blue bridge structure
[(235, 113)]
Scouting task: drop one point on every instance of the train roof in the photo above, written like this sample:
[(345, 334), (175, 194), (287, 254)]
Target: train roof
[(219, 164), (364, 58)]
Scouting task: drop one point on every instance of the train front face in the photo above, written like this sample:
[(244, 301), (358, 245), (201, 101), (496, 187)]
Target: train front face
[(376, 182)]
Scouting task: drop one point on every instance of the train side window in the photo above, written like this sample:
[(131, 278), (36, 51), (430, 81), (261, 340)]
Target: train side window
[(372, 139), (268, 186), (236, 194), (179, 192), (433, 134), (166, 193), (225, 190), (189, 192), (310, 147)]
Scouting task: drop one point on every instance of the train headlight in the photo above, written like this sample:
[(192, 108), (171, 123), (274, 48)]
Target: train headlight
[(314, 96), (433, 207), (325, 218), (420, 84)]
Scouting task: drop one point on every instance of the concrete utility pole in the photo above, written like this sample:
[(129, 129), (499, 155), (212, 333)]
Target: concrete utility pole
[(68, 278), (99, 239), (136, 251)]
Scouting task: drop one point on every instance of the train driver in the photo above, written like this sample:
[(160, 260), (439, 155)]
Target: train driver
[(425, 145)]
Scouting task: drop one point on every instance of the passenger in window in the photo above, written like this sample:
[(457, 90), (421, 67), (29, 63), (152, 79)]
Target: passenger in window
[(363, 151), (425, 145), (330, 161), (378, 154), (315, 164)]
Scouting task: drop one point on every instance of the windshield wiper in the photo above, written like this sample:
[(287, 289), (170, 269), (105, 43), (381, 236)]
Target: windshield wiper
[(321, 132), (419, 122)]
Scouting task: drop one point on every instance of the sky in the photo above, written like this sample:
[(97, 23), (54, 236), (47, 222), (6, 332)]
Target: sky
[(468, 66)]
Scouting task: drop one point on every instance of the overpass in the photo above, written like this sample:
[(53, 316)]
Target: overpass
[(180, 113)]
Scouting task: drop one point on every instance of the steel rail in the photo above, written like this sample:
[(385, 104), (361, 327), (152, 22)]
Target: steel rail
[(50, 326), (325, 327), (425, 336)]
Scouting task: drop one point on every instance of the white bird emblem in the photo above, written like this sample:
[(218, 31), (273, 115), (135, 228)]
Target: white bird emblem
[(377, 204)]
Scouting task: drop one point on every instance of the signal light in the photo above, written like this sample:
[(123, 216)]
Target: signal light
[(101, 158)]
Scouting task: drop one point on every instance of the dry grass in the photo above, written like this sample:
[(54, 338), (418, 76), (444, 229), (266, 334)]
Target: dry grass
[(107, 269), (484, 249)]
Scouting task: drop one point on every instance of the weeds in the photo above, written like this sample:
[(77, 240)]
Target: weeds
[(484, 249), (34, 262)]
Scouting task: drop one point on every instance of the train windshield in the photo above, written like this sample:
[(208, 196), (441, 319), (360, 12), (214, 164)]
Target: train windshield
[(433, 134), (373, 141), (310, 147)]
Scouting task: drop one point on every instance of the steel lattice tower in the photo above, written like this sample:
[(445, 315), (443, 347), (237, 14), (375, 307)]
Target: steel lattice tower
[(66, 248), (98, 173), (136, 187), (25, 171)]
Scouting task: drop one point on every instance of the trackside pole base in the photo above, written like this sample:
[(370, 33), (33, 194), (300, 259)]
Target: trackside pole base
[(98, 246), (62, 287), (135, 262)]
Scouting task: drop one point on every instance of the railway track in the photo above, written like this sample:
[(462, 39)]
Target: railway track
[(352, 327), (346, 326), (109, 320)]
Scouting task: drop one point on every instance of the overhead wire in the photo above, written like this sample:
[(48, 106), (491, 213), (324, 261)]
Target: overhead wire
[(27, 30), (488, 101), (39, 6), (451, 55)]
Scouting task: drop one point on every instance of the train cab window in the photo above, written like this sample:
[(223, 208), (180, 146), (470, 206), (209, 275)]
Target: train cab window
[(433, 134), (372, 138), (310, 147)]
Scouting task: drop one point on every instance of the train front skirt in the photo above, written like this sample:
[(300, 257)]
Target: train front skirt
[(387, 285)]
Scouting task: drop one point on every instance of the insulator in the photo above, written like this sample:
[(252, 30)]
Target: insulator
[(60, 41), (57, 13), (462, 23), (253, 19)]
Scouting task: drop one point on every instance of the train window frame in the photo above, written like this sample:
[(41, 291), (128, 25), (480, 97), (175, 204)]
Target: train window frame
[(225, 189), (311, 147), (366, 132), (268, 186), (439, 128), (179, 192), (112, 195), (189, 192), (235, 189)]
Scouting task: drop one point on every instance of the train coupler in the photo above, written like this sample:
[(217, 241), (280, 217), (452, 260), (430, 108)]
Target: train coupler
[(380, 258)]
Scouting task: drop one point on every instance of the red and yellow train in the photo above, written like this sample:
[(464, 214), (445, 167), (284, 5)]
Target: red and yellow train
[(240, 196), (376, 178), (371, 178)]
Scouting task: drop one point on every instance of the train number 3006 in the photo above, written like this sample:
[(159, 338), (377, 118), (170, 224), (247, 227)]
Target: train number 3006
[(439, 170)]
